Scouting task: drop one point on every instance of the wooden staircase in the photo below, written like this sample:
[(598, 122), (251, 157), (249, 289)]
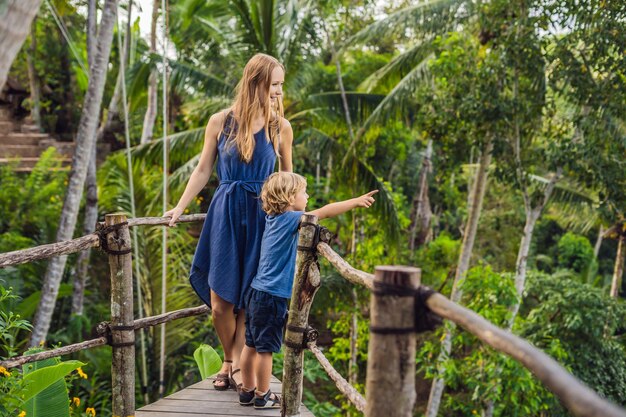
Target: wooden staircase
[(22, 141)]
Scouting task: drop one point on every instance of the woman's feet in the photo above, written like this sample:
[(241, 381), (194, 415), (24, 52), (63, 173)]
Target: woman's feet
[(222, 379), (235, 381)]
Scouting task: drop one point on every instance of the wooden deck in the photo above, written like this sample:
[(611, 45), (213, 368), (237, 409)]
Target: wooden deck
[(201, 399)]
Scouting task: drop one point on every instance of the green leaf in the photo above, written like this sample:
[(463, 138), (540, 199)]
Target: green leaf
[(208, 360), (43, 384)]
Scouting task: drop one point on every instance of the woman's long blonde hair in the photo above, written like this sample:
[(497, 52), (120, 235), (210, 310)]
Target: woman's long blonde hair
[(252, 98)]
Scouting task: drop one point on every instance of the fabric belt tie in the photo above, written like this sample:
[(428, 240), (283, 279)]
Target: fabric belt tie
[(249, 186)]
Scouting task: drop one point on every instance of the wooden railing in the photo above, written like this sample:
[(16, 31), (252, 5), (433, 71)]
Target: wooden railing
[(113, 237), (392, 343), (392, 346)]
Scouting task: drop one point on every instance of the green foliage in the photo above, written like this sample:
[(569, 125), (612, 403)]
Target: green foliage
[(437, 260), (29, 211), (10, 325), (585, 320), (208, 360), (574, 252)]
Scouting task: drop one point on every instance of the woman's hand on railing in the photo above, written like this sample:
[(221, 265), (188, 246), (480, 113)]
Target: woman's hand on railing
[(174, 214)]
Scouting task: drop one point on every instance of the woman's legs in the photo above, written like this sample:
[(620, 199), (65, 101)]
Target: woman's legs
[(238, 343), (225, 323)]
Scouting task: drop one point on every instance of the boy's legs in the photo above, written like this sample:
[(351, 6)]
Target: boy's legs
[(263, 372), (248, 368)]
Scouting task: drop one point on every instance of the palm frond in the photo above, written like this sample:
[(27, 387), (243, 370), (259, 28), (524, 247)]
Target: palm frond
[(361, 105), (434, 16), (399, 66), (398, 98), (565, 193), (365, 176), (183, 146)]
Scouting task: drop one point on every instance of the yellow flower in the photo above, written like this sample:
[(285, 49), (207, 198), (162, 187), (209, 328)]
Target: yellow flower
[(76, 401), (91, 410), (22, 414), (81, 373), (4, 371)]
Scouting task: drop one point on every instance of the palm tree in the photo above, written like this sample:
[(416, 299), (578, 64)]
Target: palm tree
[(85, 139), (16, 17)]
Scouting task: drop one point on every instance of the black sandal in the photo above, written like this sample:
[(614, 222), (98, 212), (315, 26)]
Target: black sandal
[(236, 386), (222, 378)]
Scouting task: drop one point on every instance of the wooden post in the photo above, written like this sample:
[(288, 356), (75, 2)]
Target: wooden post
[(306, 283), (391, 356), (122, 332)]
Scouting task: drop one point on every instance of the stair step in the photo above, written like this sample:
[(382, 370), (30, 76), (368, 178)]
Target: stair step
[(27, 164), (6, 126), (16, 138), (28, 128), (19, 151)]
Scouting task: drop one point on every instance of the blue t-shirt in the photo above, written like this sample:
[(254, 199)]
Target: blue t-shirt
[(277, 263)]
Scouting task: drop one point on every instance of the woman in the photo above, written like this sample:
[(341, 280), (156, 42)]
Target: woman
[(247, 139)]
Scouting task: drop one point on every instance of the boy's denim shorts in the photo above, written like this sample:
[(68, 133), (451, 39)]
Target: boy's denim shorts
[(265, 320)]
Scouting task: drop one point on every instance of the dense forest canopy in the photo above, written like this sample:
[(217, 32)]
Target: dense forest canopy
[(494, 130)]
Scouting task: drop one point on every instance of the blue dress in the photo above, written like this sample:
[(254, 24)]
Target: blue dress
[(227, 255)]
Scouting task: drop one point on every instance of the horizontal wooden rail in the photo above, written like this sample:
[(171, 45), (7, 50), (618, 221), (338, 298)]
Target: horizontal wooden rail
[(159, 221), (345, 269), (76, 245), (344, 387), (576, 396), (172, 315), (65, 350), (48, 251), (100, 341)]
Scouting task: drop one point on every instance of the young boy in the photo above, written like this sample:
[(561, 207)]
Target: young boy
[(284, 199)]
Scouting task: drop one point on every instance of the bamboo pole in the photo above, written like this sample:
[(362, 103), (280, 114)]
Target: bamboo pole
[(122, 332), (306, 283), (391, 356)]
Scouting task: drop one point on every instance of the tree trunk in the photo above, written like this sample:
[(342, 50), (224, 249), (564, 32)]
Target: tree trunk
[(113, 111), (16, 17), (151, 110), (421, 212), (618, 271), (92, 31), (532, 215), (35, 88), (84, 144), (329, 174), (91, 187), (478, 194), (89, 225)]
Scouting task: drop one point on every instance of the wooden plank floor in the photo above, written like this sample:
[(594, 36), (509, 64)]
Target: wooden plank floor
[(201, 399)]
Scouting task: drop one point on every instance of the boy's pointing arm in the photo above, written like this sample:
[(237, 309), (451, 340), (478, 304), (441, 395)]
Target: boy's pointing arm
[(340, 207)]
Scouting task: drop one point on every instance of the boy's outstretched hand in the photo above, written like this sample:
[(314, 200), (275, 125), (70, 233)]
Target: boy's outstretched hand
[(366, 200)]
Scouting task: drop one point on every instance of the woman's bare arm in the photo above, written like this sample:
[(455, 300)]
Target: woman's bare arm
[(286, 142), (201, 174)]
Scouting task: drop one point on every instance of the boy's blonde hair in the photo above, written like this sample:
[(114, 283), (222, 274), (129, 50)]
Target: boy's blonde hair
[(279, 191)]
